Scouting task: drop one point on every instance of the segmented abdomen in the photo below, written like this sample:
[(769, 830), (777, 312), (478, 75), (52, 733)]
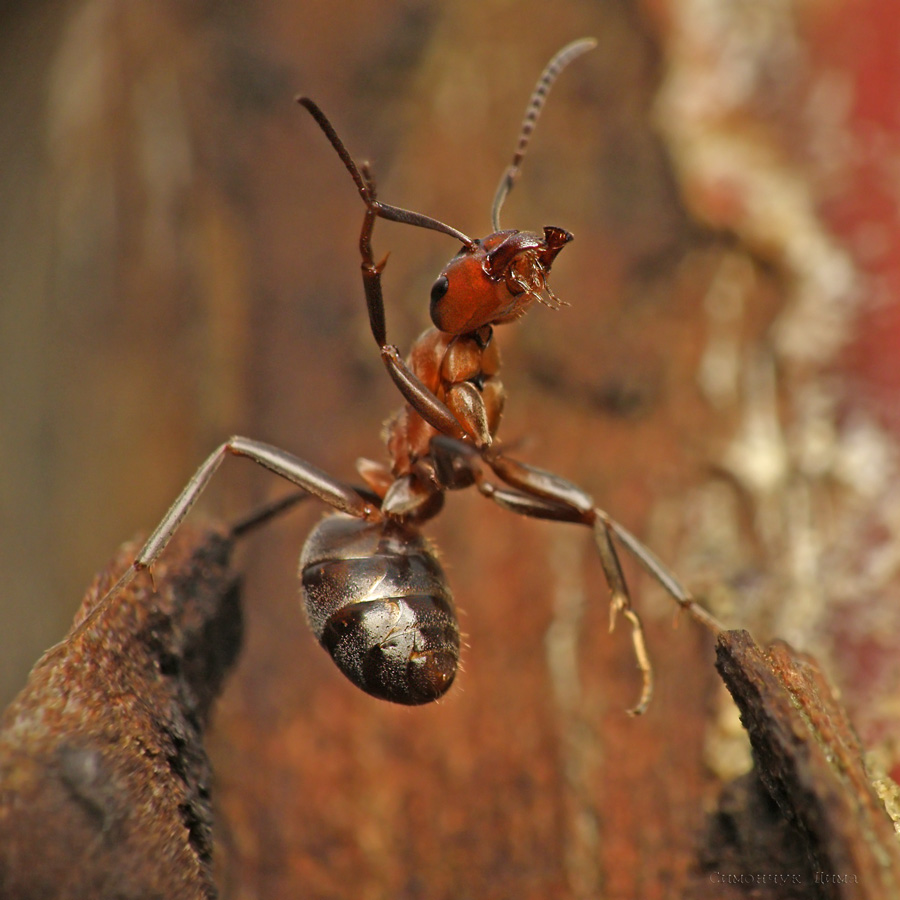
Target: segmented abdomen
[(377, 600)]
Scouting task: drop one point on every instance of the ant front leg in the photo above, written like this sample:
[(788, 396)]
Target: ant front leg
[(335, 493), (419, 397), (422, 400)]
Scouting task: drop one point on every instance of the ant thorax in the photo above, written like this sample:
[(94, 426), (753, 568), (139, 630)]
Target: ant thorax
[(460, 370)]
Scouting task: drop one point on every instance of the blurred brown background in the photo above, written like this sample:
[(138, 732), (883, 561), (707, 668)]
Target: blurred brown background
[(178, 263)]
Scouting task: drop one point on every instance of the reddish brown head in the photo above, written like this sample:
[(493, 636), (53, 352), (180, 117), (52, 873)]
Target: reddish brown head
[(490, 281), (496, 279)]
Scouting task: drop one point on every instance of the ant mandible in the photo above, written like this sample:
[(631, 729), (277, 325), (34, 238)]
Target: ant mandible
[(375, 594)]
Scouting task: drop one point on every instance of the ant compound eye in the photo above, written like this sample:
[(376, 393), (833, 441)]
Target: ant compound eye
[(438, 290)]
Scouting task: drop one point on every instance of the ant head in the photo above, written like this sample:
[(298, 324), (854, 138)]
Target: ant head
[(490, 281), (495, 280)]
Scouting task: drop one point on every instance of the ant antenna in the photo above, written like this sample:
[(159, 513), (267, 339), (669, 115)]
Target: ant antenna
[(367, 189), (532, 111)]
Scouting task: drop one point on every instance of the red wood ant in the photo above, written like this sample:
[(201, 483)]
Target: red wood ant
[(375, 594)]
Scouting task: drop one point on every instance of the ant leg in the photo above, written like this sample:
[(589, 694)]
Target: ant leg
[(544, 495), (419, 397), (341, 496), (620, 602), (654, 567), (314, 481), (620, 599), (422, 400), (538, 483), (265, 513)]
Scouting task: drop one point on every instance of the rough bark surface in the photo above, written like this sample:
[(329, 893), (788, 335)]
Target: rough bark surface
[(178, 254), (812, 767), (104, 780)]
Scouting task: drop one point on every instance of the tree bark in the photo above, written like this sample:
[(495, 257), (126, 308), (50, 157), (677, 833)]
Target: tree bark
[(104, 780)]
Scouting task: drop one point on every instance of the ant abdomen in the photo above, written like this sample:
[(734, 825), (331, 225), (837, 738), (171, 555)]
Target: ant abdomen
[(377, 600)]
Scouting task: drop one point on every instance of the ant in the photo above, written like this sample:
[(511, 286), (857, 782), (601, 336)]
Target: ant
[(375, 594)]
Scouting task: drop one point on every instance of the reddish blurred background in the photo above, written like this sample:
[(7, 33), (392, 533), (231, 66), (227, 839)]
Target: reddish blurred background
[(178, 263)]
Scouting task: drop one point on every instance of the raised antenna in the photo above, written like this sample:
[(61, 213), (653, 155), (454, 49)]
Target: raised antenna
[(366, 189), (532, 111)]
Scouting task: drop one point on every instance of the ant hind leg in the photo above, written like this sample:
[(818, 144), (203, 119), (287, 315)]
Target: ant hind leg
[(312, 480)]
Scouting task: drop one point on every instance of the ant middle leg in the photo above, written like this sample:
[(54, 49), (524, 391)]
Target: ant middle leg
[(541, 494), (541, 507), (537, 483)]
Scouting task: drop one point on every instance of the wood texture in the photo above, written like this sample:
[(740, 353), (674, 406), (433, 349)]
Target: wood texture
[(179, 263), (104, 780)]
